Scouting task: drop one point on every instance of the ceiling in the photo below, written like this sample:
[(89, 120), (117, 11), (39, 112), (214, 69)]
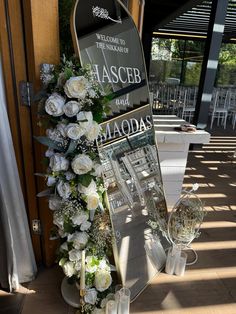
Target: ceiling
[(188, 18)]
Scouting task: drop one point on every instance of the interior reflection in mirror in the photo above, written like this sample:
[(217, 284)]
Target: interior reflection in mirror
[(134, 188)]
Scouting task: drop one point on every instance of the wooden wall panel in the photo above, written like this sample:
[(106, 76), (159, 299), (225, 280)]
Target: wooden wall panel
[(14, 66), (42, 43)]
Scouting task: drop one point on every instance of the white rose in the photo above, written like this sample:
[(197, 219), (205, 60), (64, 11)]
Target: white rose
[(54, 105), (103, 280), (49, 153), (93, 131), (74, 131), (69, 175), (61, 127), (63, 189), (74, 255), (81, 164), (90, 296), (97, 170), (54, 202), (92, 201), (78, 265), (92, 188), (85, 119), (79, 218), (51, 180), (61, 80), (85, 226), (76, 87), (58, 163), (69, 269), (71, 108), (79, 239)]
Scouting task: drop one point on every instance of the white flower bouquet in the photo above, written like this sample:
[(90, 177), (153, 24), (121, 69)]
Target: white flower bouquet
[(71, 106)]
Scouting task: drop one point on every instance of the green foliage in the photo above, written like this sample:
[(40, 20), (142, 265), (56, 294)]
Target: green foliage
[(85, 179), (66, 44)]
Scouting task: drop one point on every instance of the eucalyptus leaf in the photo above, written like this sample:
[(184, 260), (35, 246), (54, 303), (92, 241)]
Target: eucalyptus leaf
[(45, 193), (71, 148), (40, 174), (48, 142)]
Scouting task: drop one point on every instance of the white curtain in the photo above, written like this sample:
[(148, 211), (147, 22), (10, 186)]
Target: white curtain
[(17, 262)]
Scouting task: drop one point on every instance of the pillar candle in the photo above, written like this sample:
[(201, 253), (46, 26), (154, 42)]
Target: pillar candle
[(111, 307), (82, 271)]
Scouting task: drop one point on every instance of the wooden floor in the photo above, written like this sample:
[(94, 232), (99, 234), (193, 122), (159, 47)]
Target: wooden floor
[(209, 286)]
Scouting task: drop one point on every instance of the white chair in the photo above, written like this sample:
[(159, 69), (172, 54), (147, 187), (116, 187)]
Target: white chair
[(232, 108), (189, 104), (220, 107)]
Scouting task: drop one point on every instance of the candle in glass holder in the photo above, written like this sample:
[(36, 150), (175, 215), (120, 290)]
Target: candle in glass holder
[(124, 301), (111, 307), (82, 271)]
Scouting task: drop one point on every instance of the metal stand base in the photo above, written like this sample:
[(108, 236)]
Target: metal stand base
[(70, 293)]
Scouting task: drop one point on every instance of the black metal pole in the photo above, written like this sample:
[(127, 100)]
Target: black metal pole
[(210, 61)]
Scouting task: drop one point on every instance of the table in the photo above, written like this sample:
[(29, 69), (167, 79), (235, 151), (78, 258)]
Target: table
[(173, 147)]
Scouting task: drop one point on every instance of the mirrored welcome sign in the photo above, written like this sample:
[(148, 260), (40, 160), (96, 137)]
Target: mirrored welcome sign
[(105, 36)]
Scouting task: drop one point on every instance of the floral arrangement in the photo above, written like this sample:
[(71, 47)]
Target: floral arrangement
[(71, 106), (185, 220), (182, 225)]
